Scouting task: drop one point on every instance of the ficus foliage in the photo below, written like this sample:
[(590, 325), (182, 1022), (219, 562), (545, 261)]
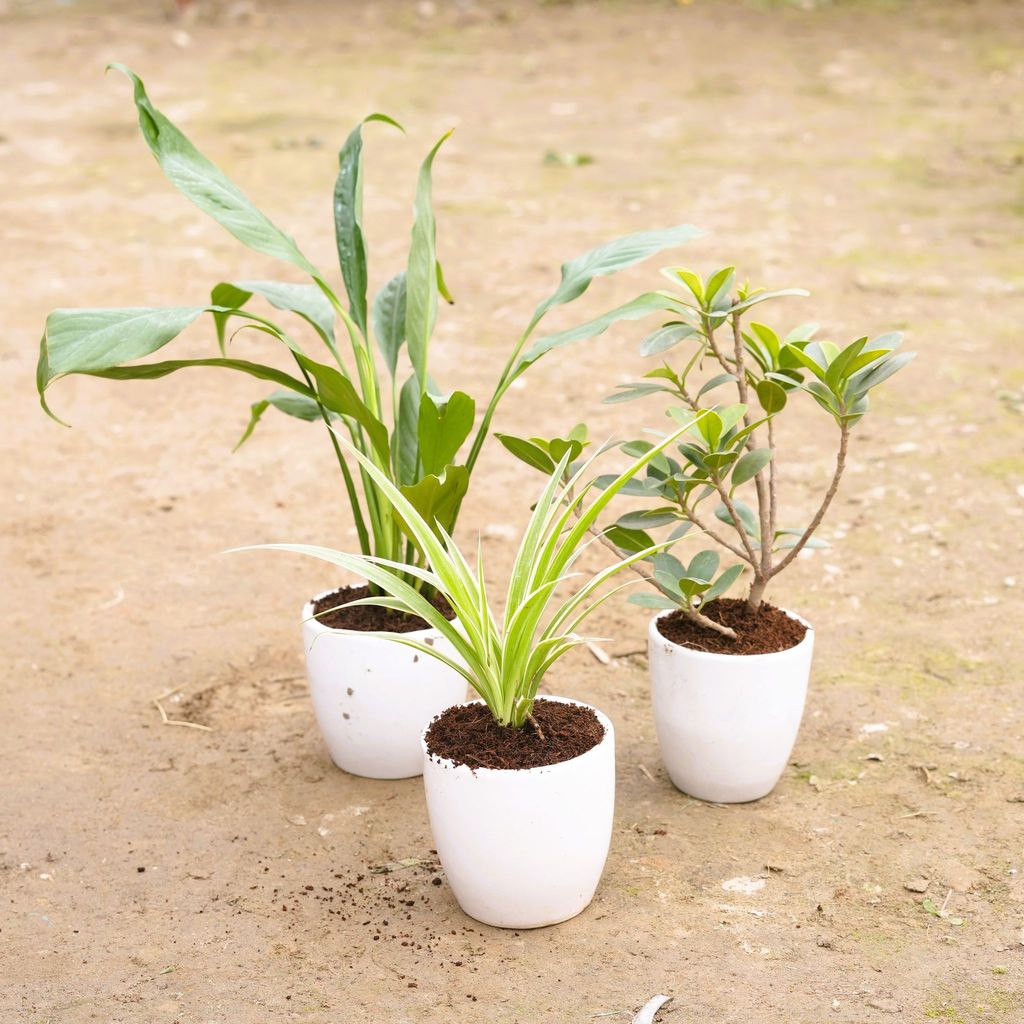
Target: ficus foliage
[(504, 658), (397, 418), (730, 449)]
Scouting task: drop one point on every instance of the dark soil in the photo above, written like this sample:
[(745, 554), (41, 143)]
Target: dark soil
[(767, 631), (468, 734), (369, 618)]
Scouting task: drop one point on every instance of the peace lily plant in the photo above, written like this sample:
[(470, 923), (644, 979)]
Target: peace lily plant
[(729, 677), (395, 417), (521, 848)]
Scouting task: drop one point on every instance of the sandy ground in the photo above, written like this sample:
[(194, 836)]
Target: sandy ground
[(871, 152)]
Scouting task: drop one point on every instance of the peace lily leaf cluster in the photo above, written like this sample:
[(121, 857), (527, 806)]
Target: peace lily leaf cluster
[(504, 659), (730, 449), (403, 427)]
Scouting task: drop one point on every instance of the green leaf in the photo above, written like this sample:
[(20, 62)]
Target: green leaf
[(306, 300), (687, 277), (421, 273), (529, 452), (658, 601), (739, 307), (408, 454), (665, 338), (437, 498), (749, 465), (299, 406), (635, 309), (802, 358), (631, 541), (389, 320), (803, 333), (716, 291), (723, 583), (348, 228), (611, 258), (629, 392), (442, 286), (648, 518), (200, 181), (863, 381), (716, 382), (338, 394), (442, 428), (771, 395), (748, 519), (83, 340), (704, 566)]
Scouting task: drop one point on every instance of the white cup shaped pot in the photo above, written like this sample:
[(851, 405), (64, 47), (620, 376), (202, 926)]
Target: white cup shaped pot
[(526, 848), (373, 697), (727, 723)]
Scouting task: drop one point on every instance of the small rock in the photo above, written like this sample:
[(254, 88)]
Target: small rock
[(916, 885), (297, 819), (747, 886)]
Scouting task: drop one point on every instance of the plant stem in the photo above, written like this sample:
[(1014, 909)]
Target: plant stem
[(536, 727), (844, 438), (690, 613)]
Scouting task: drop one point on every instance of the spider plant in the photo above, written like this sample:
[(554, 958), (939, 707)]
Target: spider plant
[(504, 659), (399, 421)]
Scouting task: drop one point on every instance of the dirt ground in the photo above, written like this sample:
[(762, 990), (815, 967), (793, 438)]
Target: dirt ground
[(871, 152)]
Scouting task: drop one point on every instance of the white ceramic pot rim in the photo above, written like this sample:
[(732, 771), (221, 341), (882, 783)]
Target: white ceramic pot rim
[(450, 765), (319, 627), (711, 656)]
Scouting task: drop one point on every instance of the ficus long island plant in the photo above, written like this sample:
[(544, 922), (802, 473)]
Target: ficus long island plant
[(504, 658), (408, 431), (731, 448)]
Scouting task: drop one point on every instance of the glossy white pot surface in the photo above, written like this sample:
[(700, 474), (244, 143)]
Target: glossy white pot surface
[(524, 849), (727, 723), (373, 697)]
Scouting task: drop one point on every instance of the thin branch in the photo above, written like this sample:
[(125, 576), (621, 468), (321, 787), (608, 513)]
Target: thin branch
[(692, 613), (844, 438), (760, 484), (772, 495)]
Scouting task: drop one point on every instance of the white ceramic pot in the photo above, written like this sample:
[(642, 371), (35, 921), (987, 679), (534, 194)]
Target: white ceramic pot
[(524, 849), (374, 697), (727, 722)]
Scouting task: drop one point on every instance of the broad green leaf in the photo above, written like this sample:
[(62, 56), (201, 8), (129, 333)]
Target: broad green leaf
[(802, 333), (337, 393), (421, 272), (693, 281), (648, 518), (611, 258), (437, 497), (668, 564), (716, 382), (636, 309), (802, 358), (769, 339), (442, 428), (704, 566), (629, 392), (749, 465), (83, 340), (306, 300), (751, 527), (348, 217), (299, 406), (723, 583), (529, 452), (632, 541), (633, 488), (730, 415), (657, 601), (389, 320), (665, 338), (199, 180), (739, 307), (771, 395), (716, 291), (841, 365), (408, 454), (863, 381)]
